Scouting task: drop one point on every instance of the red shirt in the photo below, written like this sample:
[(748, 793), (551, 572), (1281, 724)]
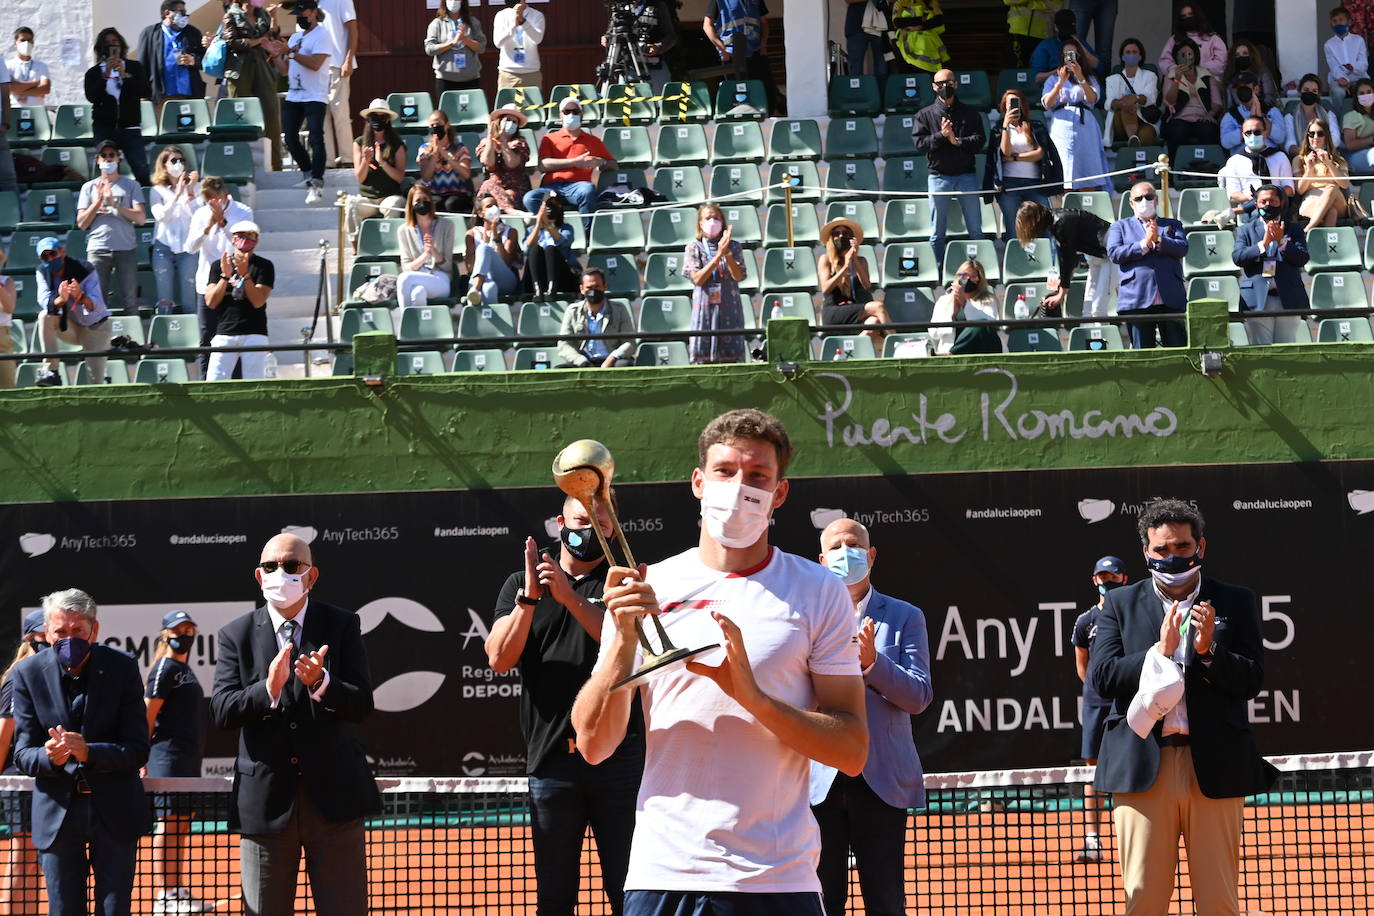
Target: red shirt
[(561, 145)]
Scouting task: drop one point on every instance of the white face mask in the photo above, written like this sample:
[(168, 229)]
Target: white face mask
[(1174, 579), (453, 6), (175, 169), (25, 48), (1144, 209), (1365, 98), (735, 515), (492, 214), (179, 21), (283, 590), (572, 121), (109, 166), (509, 128)]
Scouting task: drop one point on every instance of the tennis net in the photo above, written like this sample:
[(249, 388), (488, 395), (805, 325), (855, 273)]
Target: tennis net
[(994, 843)]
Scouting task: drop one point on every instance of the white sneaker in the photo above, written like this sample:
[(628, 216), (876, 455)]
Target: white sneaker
[(1091, 851), (180, 900), (314, 195)]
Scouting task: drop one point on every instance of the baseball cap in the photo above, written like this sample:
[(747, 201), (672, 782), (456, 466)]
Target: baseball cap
[(50, 243), (1161, 687), (244, 225), (34, 622), (1109, 565), (172, 618)]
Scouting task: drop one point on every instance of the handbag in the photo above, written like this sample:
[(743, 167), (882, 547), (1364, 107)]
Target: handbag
[(216, 56), (1149, 113), (1355, 208)]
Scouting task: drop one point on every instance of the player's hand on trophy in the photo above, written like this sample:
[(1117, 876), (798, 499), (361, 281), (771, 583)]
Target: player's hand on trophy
[(628, 596)]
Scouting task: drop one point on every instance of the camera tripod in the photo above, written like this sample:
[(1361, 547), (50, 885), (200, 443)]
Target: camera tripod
[(623, 64)]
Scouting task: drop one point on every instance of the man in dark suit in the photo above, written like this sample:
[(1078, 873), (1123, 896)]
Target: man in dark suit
[(1271, 253), (292, 676), (1192, 770), (868, 813), (80, 729), (171, 51), (1149, 250)]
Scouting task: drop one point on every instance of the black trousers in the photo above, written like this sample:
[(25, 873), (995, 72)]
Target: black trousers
[(853, 817)]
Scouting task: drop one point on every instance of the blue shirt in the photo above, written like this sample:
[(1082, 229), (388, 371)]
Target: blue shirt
[(1049, 55), (176, 79), (181, 720), (90, 286), (595, 347)]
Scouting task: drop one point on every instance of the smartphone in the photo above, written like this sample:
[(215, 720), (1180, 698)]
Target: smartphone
[(1015, 103), (1071, 57)]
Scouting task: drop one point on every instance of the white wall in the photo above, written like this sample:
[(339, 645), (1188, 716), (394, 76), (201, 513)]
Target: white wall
[(62, 39)]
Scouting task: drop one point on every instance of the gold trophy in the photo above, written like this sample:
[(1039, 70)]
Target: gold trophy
[(583, 470)]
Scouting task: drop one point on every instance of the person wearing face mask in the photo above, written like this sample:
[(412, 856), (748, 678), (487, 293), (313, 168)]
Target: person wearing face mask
[(292, 677), (1132, 97), (1163, 782), (175, 198), (209, 239), (951, 134), (1347, 56), (1271, 253), (782, 686), (81, 731), (1250, 103), (29, 80), (305, 64), (866, 815), (1209, 49), (1357, 128), (171, 50), (446, 166), (1258, 162), (845, 282), (252, 41), (1069, 98), (176, 728), (492, 254), (109, 208), (1247, 59), (1308, 110), (1149, 250), (517, 31), (548, 621), (568, 157), (967, 298), (237, 289), (115, 87), (714, 262), (551, 268), (1071, 232), (9, 298), (503, 154), (456, 41), (426, 251), (1049, 54), (1108, 573), (589, 318), (379, 164), (73, 310), (19, 874), (1322, 176), (1192, 99)]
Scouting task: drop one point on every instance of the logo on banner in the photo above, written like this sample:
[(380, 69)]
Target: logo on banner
[(1095, 510), (1362, 501), (304, 532), (35, 545), (474, 763), (413, 688), (822, 518)]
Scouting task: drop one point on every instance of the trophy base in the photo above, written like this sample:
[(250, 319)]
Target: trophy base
[(661, 664)]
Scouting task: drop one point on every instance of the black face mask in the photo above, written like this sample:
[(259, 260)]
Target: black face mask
[(423, 207), (1309, 98), (945, 92), (842, 243), (1268, 213), (303, 22), (969, 284), (181, 643), (1244, 94), (39, 644), (1188, 23), (581, 543), (1066, 30), (378, 124), (1107, 585), (438, 130), (594, 296), (1242, 63)]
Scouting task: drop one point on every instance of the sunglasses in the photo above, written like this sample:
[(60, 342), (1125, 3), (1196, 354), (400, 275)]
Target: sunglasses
[(290, 567), (1254, 133), (176, 161), (48, 256), (1142, 197), (1316, 133), (944, 83)]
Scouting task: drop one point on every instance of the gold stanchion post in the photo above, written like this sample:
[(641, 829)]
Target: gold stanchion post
[(1163, 163)]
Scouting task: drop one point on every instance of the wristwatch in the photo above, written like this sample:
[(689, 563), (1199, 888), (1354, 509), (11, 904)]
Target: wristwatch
[(525, 600)]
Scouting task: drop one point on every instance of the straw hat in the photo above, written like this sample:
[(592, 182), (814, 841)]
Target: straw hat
[(849, 224), (378, 106), (510, 111)]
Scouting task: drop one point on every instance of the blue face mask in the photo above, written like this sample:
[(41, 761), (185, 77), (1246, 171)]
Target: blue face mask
[(1254, 144), (849, 563), (1340, 30), (71, 651), (1131, 60)]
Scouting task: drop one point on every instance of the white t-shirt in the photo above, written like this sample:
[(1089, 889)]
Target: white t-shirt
[(337, 14), (723, 803), (302, 83), (1238, 176), (26, 70)]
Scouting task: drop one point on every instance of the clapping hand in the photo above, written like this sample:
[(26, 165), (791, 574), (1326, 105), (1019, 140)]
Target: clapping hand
[(552, 577), (725, 238), (62, 745), (226, 266), (310, 667), (1273, 232), (947, 129), (1152, 232), (241, 262), (868, 652), (734, 675)]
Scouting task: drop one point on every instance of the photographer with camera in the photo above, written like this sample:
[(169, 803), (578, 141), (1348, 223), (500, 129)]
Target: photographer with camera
[(738, 27), (73, 310), (638, 36)]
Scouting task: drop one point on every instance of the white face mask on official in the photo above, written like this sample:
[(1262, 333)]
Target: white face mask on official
[(735, 515), (1144, 209), (282, 589)]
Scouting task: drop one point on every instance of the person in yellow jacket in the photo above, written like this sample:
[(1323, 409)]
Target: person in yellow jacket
[(1028, 21), (920, 26)]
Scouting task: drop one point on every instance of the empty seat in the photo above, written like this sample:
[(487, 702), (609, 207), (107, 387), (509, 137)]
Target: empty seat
[(744, 224), (1020, 80), (738, 142), (116, 373), (486, 321), (1193, 158), (1032, 340), (1098, 203), (741, 100), (911, 263), (529, 99), (368, 272), (1225, 287), (859, 211), (906, 219), (527, 358), (354, 321), (803, 178), (682, 144), (1209, 252), (738, 184), (806, 229), (907, 175), (974, 89), (629, 146), (855, 178), (467, 109), (1141, 160), (419, 362), (981, 250), (684, 102), (662, 353), (612, 231), (426, 322), (789, 305), (1344, 330), (485, 360), (1194, 203), (540, 319), (915, 345), (1333, 249), (847, 346), (680, 186), (184, 121), (69, 157), (853, 94), (898, 137), (851, 138), (412, 111), (671, 229), (1236, 334), (789, 269), (1032, 261), (174, 332), (909, 304), (161, 372), (907, 92), (379, 238), (665, 274), (231, 161), (628, 103), (794, 138), (621, 272), (1339, 290), (237, 119), (659, 314), (50, 209), (29, 127), (1104, 337), (72, 125)]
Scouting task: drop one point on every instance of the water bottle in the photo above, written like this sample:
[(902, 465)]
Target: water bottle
[(269, 366), (776, 312), (1021, 310)]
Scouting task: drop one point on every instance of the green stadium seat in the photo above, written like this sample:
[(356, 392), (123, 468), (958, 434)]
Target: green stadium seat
[(622, 274), (627, 104), (527, 358), (670, 229), (426, 322), (870, 256), (467, 109), (789, 269), (1098, 203), (486, 321), (744, 224), (71, 157), (665, 275), (1368, 236), (909, 345), (740, 141), (379, 238), (659, 314), (806, 229), (72, 126), (1226, 287), (364, 272), (911, 264), (413, 110), (794, 138), (621, 178), (9, 211), (51, 209), (26, 375), (25, 296), (737, 184), (1194, 203), (354, 321), (143, 241), (805, 179), (231, 161), (343, 365), (116, 373), (17, 336), (906, 219), (790, 305), (612, 231), (585, 92), (850, 179), (851, 138), (1033, 340), (1141, 160), (855, 95), (974, 89), (907, 175), (130, 326), (420, 362), (681, 186), (491, 359), (161, 371), (1236, 334), (184, 121), (860, 211), (662, 353), (540, 319), (174, 331), (23, 250), (1096, 337), (529, 99), (909, 303), (1333, 249), (898, 140), (907, 93), (1343, 330), (1209, 252), (1027, 262), (847, 346), (413, 142), (682, 144), (29, 127), (236, 119), (147, 119), (1193, 158), (1339, 290), (1022, 80), (968, 250), (683, 103), (1034, 291), (629, 146), (741, 100)]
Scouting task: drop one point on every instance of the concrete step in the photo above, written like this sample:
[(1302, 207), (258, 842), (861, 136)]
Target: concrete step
[(276, 181), (293, 200)]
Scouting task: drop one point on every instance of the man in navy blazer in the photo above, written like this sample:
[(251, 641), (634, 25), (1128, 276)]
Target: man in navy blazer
[(1198, 761), (81, 730), (1271, 253), (1149, 250), (868, 813), (292, 676)]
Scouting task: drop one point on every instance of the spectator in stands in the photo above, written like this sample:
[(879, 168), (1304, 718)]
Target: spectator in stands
[(1192, 99), (1347, 55), (1323, 177), (860, 42), (568, 157), (1247, 59), (1074, 232), (8, 180), (951, 134), (1108, 573), (20, 877), (1257, 163), (456, 41), (968, 298), (237, 288), (919, 27), (209, 238), (446, 166), (590, 317), (341, 22), (1021, 156), (1309, 109), (714, 262), (170, 51), (845, 283), (1250, 104), (1132, 98), (1101, 15), (252, 40), (492, 256), (1049, 54), (108, 208), (80, 731), (1070, 96), (503, 154), (305, 64), (517, 30), (176, 729), (292, 678), (9, 297), (741, 26), (654, 35), (426, 251), (1149, 250), (176, 197), (551, 268), (1028, 23), (1271, 253), (379, 164), (1357, 127), (115, 87), (1209, 50), (29, 80)]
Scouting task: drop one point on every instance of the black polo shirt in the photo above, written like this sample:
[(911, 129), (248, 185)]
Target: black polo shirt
[(237, 315), (181, 720)]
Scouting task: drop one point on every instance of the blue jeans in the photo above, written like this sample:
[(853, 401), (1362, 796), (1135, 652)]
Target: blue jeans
[(853, 817), (1101, 14), (175, 273), (858, 45), (566, 795), (581, 194), (497, 277), (293, 114), (1013, 197), (1171, 333), (939, 209), (65, 866), (721, 903)]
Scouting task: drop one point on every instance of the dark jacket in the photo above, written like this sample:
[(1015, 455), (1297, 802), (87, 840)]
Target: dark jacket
[(240, 27), (115, 726), (1223, 751), (303, 740), (946, 158), (1051, 169), (151, 45), (1254, 286), (107, 114), (1078, 232)]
